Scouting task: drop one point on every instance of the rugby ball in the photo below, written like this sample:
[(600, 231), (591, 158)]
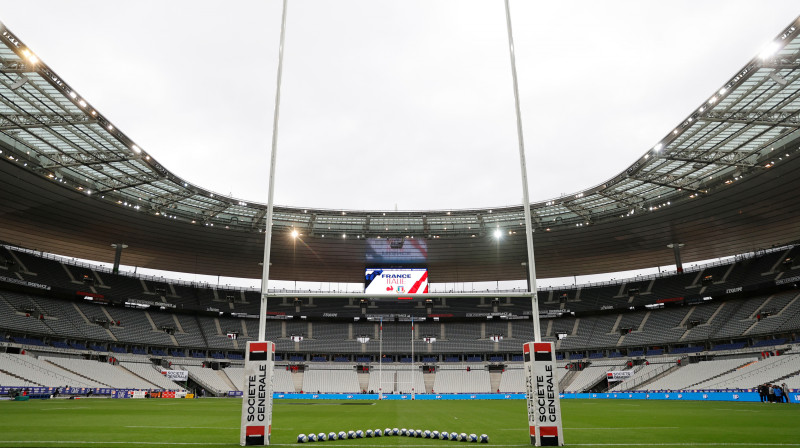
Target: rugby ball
[(302, 438), (484, 438)]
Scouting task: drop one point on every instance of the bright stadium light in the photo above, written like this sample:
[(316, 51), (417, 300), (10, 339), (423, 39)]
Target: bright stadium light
[(769, 50), (498, 234), (658, 147), (294, 233)]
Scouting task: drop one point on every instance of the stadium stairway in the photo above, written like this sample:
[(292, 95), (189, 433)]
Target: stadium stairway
[(226, 379), (566, 379), (297, 379), (363, 381), (494, 381), (428, 379), (131, 372)]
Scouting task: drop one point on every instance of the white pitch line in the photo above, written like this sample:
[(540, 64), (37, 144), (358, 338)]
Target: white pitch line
[(594, 444), (617, 427), (635, 427), (183, 427), (686, 444), (86, 442), (56, 409)]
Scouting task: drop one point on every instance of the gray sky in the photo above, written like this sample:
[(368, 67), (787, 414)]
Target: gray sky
[(389, 102)]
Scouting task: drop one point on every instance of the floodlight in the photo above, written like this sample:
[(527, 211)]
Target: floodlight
[(769, 50), (498, 234), (294, 233)]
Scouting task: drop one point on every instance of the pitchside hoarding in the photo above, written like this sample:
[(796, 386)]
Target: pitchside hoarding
[(257, 397), (541, 392), (395, 281)]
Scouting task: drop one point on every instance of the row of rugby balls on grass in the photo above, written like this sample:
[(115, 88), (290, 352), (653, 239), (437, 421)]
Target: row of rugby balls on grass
[(444, 435)]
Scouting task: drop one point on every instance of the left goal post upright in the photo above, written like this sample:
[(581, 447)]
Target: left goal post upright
[(259, 361), (259, 364)]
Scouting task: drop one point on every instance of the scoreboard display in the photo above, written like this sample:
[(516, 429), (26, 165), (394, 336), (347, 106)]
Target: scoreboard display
[(395, 281)]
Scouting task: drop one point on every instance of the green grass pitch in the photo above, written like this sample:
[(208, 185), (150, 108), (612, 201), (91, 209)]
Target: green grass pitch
[(215, 422)]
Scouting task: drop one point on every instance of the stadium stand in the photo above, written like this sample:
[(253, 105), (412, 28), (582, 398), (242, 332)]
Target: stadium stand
[(688, 377), (149, 373)]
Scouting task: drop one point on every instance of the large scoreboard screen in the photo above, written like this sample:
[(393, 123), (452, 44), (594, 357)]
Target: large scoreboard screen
[(395, 281)]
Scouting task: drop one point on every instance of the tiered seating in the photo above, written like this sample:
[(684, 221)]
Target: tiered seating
[(644, 373), (12, 381), (42, 373), (208, 378), (149, 373), (104, 373), (330, 381), (687, 377), (513, 381), (595, 372), (236, 375), (406, 380), (449, 380), (282, 381), (759, 372), (382, 380)]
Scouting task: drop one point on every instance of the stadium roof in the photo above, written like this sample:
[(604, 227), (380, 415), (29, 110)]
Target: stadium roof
[(722, 182)]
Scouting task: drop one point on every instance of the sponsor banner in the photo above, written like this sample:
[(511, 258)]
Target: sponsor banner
[(235, 393), (293, 396), (151, 303), (136, 393), (786, 280), (619, 375), (119, 394), (17, 281), (678, 395), (256, 424), (543, 399), (672, 395), (176, 375)]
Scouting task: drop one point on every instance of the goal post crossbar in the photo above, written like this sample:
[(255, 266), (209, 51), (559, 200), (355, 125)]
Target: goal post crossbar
[(418, 295)]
